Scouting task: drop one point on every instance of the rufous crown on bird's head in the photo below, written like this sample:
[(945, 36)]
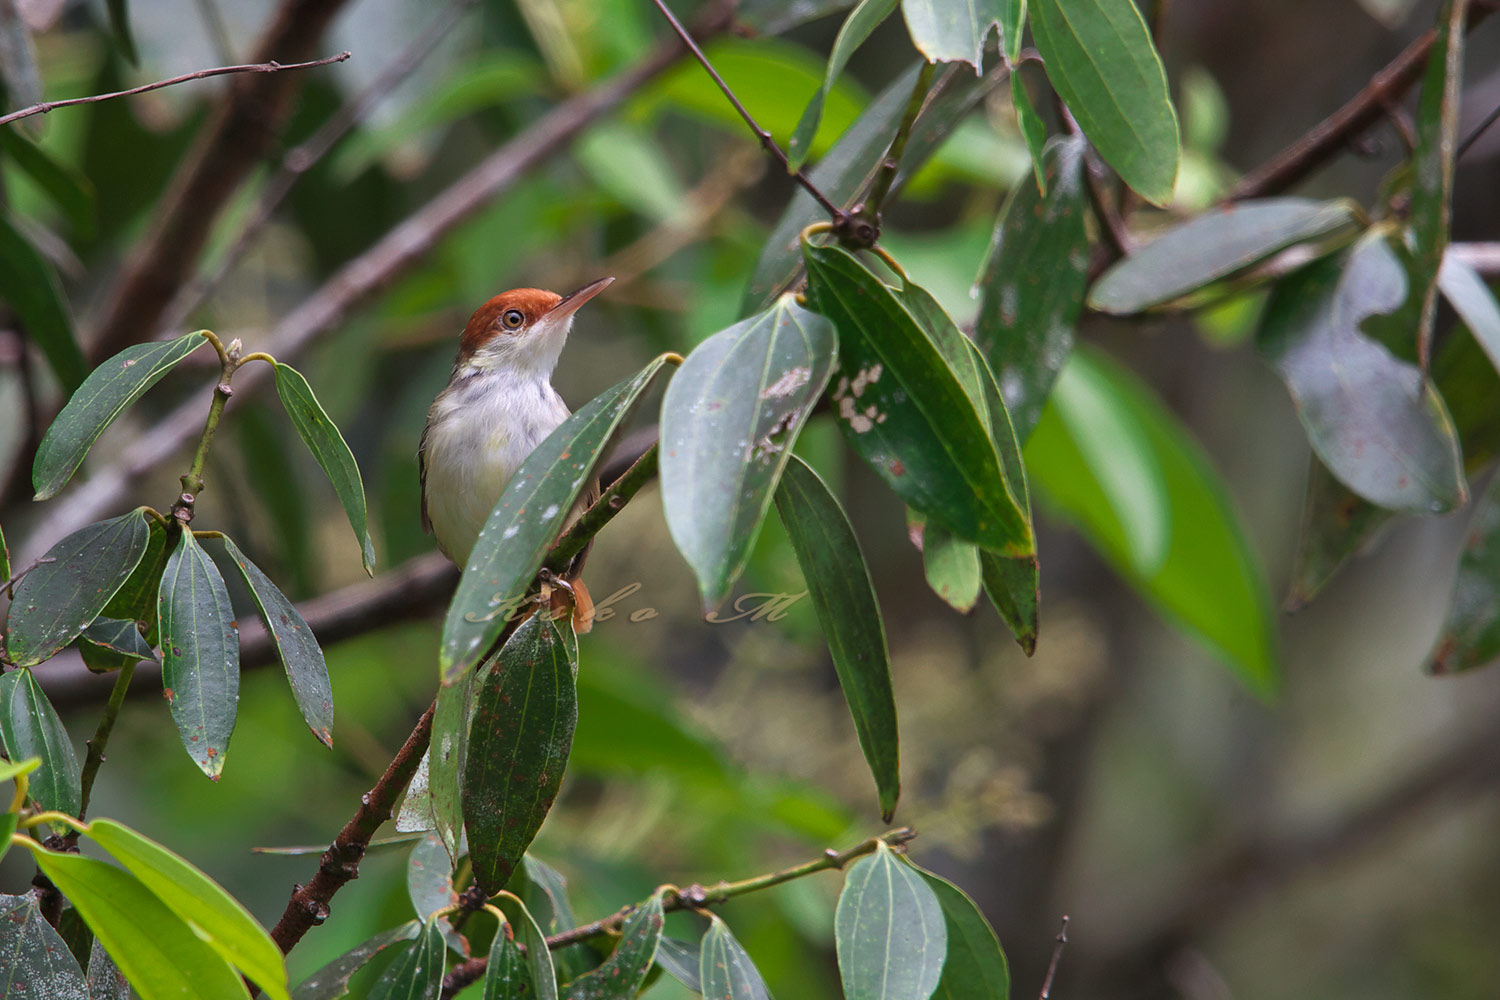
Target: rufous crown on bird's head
[(521, 325)]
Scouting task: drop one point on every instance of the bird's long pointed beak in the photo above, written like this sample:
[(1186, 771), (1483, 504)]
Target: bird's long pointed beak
[(570, 302)]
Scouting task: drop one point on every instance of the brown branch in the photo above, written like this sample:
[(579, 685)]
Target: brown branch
[(247, 122), (353, 285), (201, 74), (1057, 952), (1329, 137)]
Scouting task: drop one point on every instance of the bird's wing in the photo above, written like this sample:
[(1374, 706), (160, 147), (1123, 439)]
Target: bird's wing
[(422, 476)]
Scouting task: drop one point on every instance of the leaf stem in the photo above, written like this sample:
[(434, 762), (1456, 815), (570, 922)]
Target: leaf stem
[(101, 735), (192, 483), (1057, 950), (53, 816), (603, 510)]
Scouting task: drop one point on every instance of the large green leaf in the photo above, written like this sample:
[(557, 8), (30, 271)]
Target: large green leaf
[(200, 653), (1200, 572), (300, 653), (332, 980), (975, 968), (945, 31), (1214, 245), (526, 705), (416, 973), (216, 916), (1033, 283), (108, 391), (30, 286), (71, 586), (623, 973), (527, 519), (538, 957), (31, 727), (889, 931), (844, 598), (903, 409), (332, 452), (1376, 421), (862, 20), (163, 957), (1100, 59), (725, 969), (1471, 632), (35, 963), (729, 420)]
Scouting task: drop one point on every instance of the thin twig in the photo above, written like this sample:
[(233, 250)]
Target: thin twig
[(767, 142), (1479, 130), (1057, 950), (97, 745), (201, 74), (892, 162)]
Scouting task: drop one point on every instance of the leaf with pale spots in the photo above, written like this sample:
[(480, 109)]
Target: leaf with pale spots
[(527, 519), (200, 653), (35, 963), (729, 420), (725, 969), (306, 671), (330, 449), (889, 931), (623, 973), (416, 973), (71, 585), (525, 709)]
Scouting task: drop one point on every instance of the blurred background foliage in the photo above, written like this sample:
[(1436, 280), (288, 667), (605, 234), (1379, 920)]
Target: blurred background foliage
[(1107, 778)]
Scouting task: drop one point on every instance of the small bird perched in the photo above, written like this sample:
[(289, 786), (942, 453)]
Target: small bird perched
[(498, 405)]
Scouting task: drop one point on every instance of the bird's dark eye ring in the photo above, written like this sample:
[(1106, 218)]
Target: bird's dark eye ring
[(512, 319)]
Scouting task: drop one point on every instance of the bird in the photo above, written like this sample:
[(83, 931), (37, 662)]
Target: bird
[(498, 405)]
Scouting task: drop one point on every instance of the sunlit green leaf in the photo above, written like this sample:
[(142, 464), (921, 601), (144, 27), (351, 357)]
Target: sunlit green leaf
[(332, 980), (35, 963), (1100, 58), (216, 916), (64, 593), (300, 653), (200, 653), (621, 975), (944, 31), (107, 392), (31, 728), (890, 932), (1214, 245), (862, 20), (975, 968), (416, 973), (844, 599), (729, 420), (725, 968), (29, 285), (527, 519)]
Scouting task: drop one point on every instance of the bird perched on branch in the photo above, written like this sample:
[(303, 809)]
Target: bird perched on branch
[(499, 405)]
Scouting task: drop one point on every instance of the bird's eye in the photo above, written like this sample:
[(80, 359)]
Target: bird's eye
[(512, 319)]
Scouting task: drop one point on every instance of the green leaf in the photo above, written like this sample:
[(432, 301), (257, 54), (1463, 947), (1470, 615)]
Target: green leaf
[(1033, 128), (844, 598), (108, 391), (306, 670), (329, 448), (1033, 283), (200, 653), (1376, 421), (845, 170), (4, 559), (332, 980), (31, 728), (889, 931), (446, 756), (944, 31), (1100, 59), (681, 961), (629, 163), (35, 963), (726, 970), (527, 519), (1470, 636), (29, 284), (12, 769), (975, 968), (416, 973), (1214, 245), (1432, 165), (857, 27), (526, 706), (135, 601), (215, 915), (105, 980), (429, 876), (903, 409), (950, 565), (68, 188), (119, 26), (623, 973), (507, 976), (161, 955), (58, 599), (544, 891), (729, 420), (123, 637), (1199, 571), (1475, 304), (277, 481), (538, 957)]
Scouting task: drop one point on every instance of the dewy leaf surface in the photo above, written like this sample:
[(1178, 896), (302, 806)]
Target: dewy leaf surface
[(35, 963)]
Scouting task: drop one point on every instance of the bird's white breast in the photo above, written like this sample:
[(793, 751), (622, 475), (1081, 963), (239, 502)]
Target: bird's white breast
[(480, 430)]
